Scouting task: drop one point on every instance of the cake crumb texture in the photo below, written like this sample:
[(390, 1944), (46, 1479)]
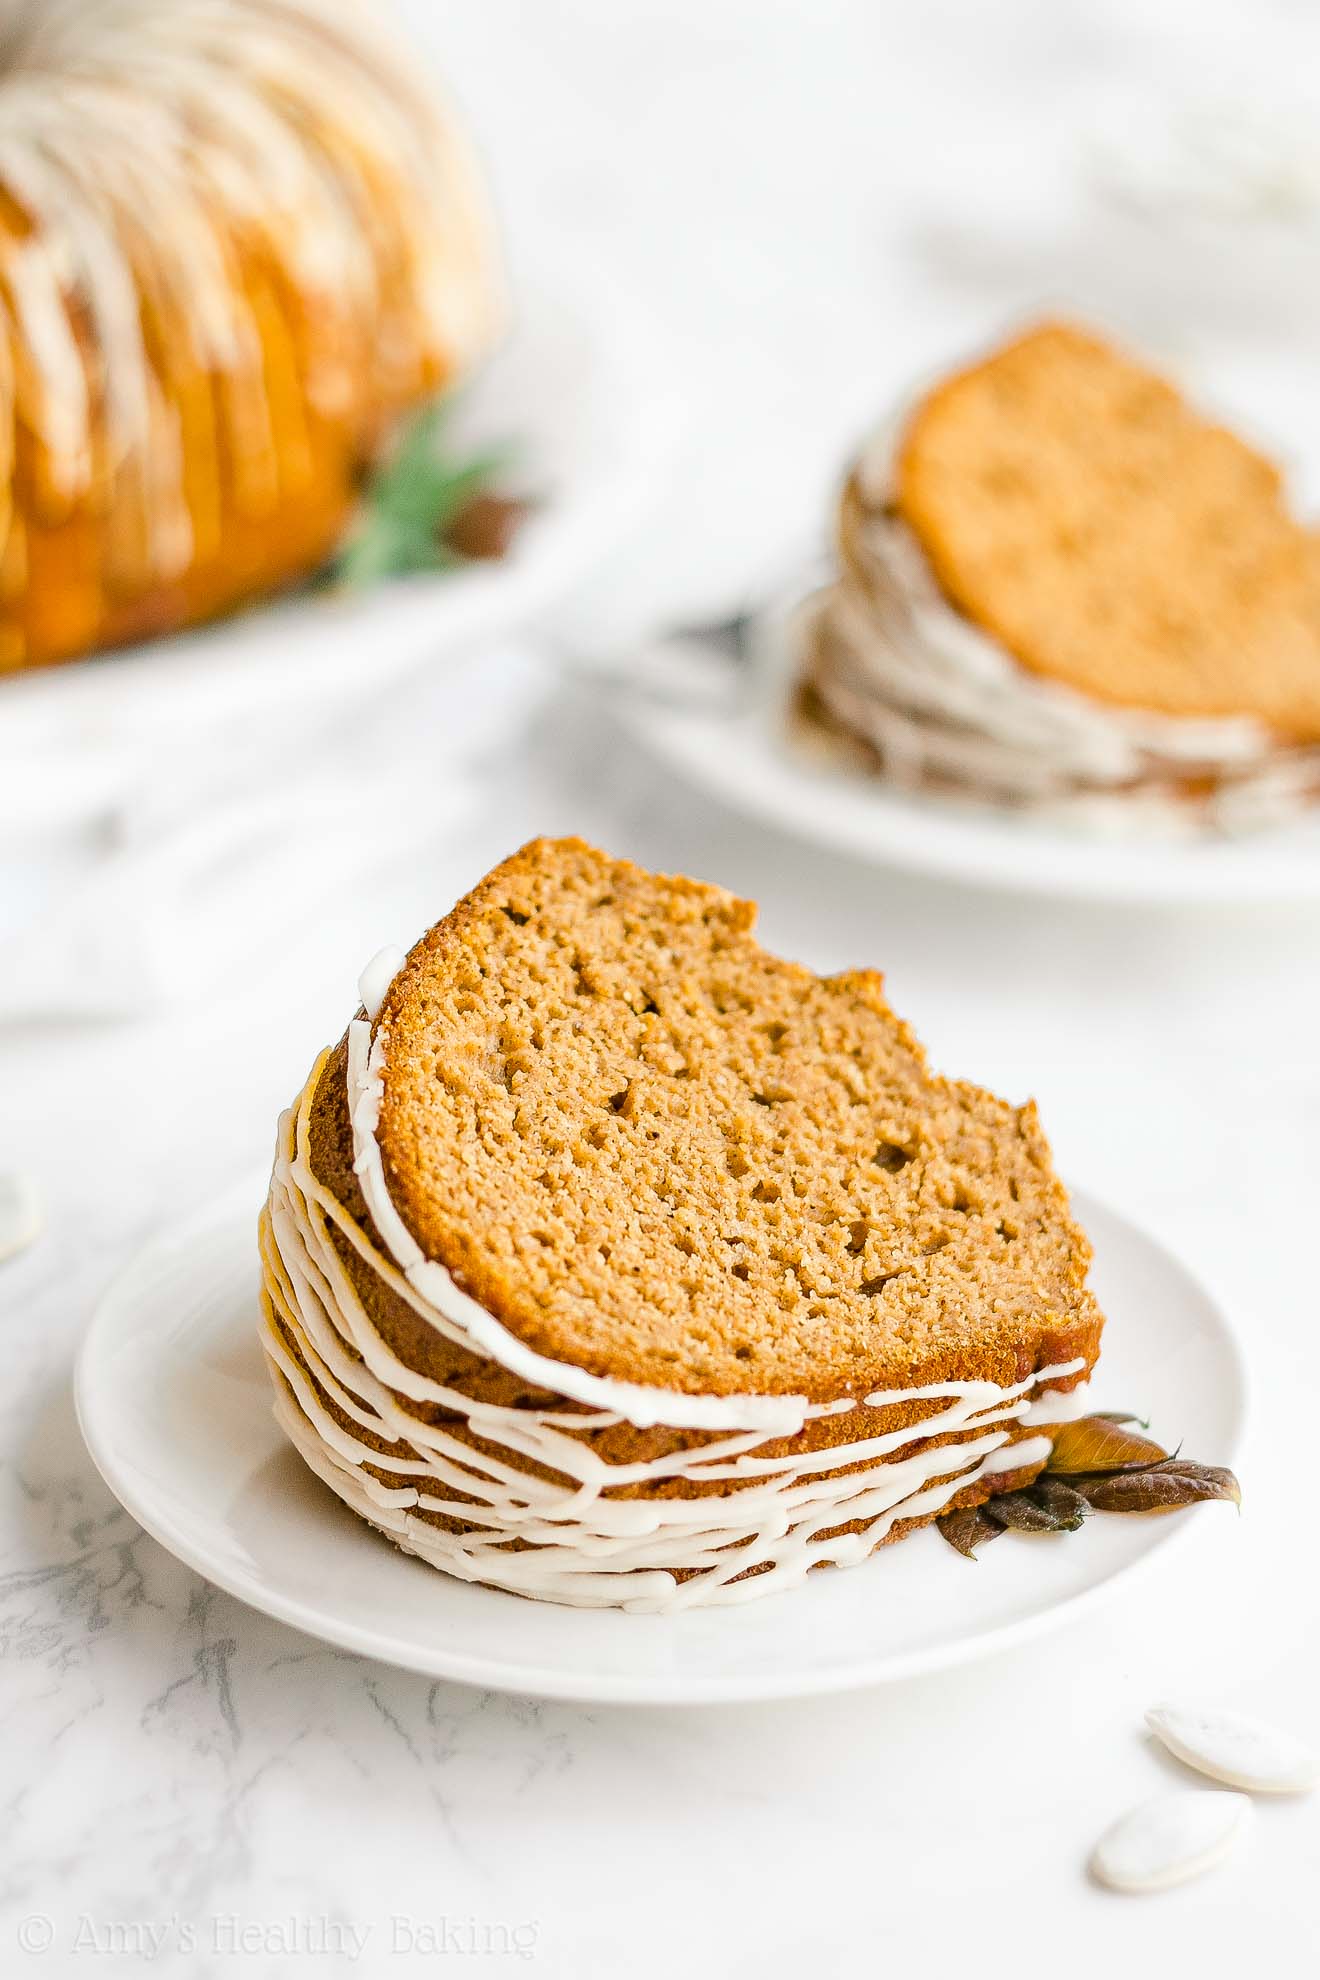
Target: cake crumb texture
[(655, 1150), (1076, 508)]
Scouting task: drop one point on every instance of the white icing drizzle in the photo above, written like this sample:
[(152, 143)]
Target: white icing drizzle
[(156, 149), (1012, 1457), (1058, 1405), (376, 978), (941, 701), (577, 1544)]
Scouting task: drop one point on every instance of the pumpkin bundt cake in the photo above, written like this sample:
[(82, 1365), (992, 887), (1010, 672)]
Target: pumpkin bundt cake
[(1058, 582), (237, 239), (611, 1260)]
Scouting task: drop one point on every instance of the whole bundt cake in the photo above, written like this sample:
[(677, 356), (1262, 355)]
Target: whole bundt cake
[(237, 240)]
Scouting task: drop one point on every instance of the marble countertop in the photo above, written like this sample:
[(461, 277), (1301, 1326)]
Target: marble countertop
[(189, 1786)]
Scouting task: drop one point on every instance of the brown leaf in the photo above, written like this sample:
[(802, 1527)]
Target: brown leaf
[(966, 1528), (1022, 1513), (486, 525), (1121, 1416), (1095, 1443), (1161, 1488), (1061, 1500)]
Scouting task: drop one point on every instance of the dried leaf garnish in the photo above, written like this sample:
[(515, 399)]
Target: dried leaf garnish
[(1097, 1443), (1162, 1488), (1061, 1500), (1017, 1512), (1048, 1506), (966, 1528), (1096, 1465)]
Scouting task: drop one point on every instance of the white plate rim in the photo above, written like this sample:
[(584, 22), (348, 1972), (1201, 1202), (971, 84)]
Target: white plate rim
[(605, 1687), (738, 754)]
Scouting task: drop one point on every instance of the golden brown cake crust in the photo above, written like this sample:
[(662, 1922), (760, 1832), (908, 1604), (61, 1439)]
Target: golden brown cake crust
[(1072, 504), (653, 1150)]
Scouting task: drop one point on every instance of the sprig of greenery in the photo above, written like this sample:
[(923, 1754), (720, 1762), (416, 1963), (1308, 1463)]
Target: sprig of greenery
[(416, 494)]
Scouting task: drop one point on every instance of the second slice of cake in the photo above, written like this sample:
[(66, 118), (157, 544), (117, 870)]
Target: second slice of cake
[(613, 1260), (1061, 587)]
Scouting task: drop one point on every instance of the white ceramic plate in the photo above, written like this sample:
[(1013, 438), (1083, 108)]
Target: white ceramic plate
[(174, 1402), (577, 390), (740, 756)]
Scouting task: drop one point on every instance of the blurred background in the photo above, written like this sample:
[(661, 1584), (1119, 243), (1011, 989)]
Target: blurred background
[(740, 235), (821, 206), (737, 236)]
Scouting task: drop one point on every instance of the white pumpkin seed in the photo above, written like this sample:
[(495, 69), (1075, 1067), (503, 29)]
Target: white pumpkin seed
[(20, 1215), (1169, 1839), (1232, 1748)]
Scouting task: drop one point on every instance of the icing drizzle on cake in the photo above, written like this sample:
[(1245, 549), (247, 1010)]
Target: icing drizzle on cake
[(564, 1537)]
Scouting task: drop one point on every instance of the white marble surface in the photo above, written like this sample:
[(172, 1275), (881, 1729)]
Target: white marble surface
[(811, 200)]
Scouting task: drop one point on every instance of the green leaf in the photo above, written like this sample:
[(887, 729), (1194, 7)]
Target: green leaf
[(432, 493), (415, 495), (377, 547)]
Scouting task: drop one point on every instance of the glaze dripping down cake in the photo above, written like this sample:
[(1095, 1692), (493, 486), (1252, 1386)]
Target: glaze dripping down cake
[(612, 1260), (238, 239)]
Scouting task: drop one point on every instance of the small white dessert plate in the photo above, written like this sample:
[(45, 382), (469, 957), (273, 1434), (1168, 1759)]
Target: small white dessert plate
[(174, 1403)]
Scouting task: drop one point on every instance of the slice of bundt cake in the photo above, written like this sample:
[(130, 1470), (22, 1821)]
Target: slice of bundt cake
[(1072, 504), (1059, 588), (611, 1259)]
